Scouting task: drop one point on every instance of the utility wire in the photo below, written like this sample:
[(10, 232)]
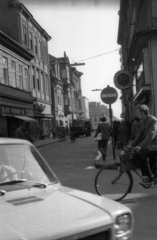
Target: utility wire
[(99, 55)]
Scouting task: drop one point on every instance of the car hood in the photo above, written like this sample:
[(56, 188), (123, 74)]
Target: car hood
[(53, 213)]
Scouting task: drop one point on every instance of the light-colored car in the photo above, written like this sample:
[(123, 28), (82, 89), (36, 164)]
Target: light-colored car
[(35, 206)]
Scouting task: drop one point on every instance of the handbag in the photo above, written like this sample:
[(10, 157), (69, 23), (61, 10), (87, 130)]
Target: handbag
[(99, 137)]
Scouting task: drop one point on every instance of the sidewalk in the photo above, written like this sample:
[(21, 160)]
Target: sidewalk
[(99, 163), (40, 143)]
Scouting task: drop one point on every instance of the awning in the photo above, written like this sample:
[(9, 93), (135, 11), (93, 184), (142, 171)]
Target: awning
[(25, 118)]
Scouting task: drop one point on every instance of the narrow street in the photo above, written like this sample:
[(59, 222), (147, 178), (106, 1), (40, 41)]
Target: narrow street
[(73, 163)]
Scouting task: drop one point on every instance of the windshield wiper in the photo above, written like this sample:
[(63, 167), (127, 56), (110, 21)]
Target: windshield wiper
[(26, 183), (13, 182), (40, 185)]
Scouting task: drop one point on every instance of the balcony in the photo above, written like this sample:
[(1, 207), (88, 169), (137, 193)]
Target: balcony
[(67, 109)]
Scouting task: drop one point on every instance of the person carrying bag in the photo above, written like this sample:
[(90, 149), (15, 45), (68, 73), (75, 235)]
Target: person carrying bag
[(103, 132)]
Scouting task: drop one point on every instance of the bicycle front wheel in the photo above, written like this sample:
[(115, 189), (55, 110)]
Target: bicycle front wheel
[(113, 184)]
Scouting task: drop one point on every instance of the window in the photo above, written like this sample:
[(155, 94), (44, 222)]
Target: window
[(46, 85), (38, 81), (35, 45), (45, 52), (33, 78), (30, 41), (20, 77), (95, 119), (25, 80), (24, 35), (5, 71), (42, 82), (63, 72), (13, 74), (39, 48)]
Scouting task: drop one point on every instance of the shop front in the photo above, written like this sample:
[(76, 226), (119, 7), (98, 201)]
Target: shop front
[(42, 114), (11, 117)]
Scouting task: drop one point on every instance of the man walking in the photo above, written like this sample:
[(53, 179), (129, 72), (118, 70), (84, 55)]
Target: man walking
[(105, 129), (19, 132)]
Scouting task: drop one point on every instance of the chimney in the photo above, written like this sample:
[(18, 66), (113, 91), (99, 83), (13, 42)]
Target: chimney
[(65, 54)]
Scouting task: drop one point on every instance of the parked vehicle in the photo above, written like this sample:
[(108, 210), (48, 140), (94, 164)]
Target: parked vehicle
[(34, 205), (82, 127)]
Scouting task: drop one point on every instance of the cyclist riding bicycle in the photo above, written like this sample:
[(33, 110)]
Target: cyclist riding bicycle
[(145, 143)]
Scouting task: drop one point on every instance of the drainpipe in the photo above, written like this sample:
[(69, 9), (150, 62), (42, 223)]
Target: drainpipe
[(151, 75)]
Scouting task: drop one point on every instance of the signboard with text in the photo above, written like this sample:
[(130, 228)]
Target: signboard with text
[(109, 95)]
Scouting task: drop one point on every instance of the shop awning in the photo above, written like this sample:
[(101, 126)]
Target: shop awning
[(25, 118)]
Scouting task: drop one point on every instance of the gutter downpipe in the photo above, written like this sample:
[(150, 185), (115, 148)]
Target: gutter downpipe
[(151, 76)]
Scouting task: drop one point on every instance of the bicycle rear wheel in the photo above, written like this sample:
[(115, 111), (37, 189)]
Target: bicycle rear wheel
[(113, 184)]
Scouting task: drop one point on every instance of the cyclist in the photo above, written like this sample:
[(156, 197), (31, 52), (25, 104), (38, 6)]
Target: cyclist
[(145, 143)]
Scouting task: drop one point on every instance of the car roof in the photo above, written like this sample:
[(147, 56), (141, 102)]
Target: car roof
[(13, 141)]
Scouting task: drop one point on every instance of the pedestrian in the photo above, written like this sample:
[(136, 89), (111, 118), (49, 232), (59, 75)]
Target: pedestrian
[(19, 132), (53, 130), (145, 142), (27, 136), (106, 131), (115, 132), (136, 125), (123, 134)]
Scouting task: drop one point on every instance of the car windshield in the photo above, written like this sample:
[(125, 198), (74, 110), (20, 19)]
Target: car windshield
[(23, 162)]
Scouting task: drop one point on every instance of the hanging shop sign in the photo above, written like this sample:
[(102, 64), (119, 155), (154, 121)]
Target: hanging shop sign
[(122, 79)]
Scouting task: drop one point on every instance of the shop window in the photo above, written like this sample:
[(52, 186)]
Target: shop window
[(20, 77), (13, 69), (5, 71)]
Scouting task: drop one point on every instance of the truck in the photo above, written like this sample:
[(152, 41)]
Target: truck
[(82, 127)]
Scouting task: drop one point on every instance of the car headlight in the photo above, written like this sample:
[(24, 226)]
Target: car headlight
[(123, 226)]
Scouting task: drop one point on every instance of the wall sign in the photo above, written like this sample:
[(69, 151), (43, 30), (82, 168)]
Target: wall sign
[(122, 79)]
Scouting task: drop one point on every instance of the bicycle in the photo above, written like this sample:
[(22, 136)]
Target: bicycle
[(116, 184)]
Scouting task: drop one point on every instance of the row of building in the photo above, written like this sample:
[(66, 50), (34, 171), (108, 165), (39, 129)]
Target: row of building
[(35, 86), (137, 35)]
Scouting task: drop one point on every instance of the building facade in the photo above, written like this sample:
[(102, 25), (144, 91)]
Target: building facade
[(18, 23), (85, 107), (57, 93), (15, 92), (137, 36)]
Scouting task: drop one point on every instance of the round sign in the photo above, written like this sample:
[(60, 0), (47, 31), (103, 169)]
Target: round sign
[(109, 95), (122, 79)]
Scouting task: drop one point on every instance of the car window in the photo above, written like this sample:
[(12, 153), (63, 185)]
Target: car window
[(23, 162)]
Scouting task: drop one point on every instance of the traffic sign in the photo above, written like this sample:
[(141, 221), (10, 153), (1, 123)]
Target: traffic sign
[(109, 95)]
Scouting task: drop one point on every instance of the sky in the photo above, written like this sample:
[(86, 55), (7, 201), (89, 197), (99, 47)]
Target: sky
[(87, 31)]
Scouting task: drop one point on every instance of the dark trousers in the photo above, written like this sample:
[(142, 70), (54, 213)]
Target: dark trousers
[(146, 161), (102, 146)]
